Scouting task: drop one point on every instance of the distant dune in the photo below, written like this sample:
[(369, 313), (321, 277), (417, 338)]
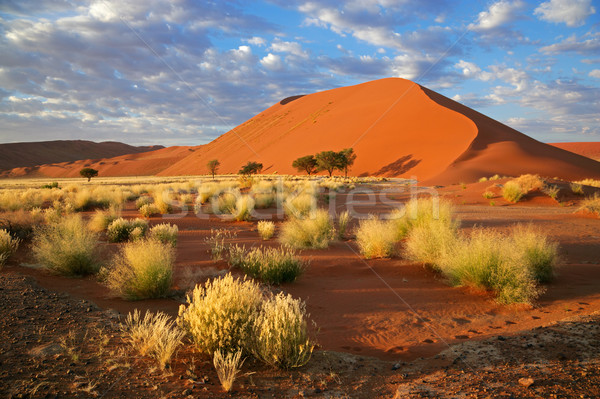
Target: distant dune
[(396, 127), (587, 149), (16, 155)]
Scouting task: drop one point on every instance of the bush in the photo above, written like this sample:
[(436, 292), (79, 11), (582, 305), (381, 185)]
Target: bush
[(530, 182), (144, 200), (280, 333), (67, 247), (165, 233), (376, 238), (535, 251), (224, 203), (162, 201), (244, 206), (589, 182), (123, 229), (591, 204), (155, 335), (8, 246), (220, 315), (421, 212), (149, 210), (488, 194), (315, 232), (577, 188), (429, 243), (143, 269), (512, 191), (272, 265), (300, 205), (265, 200), (551, 191), (265, 229), (20, 224), (102, 219)]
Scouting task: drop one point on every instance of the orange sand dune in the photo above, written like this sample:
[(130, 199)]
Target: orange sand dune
[(587, 149), (16, 155), (140, 164), (396, 127)]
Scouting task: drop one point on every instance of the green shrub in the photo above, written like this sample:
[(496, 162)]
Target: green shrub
[(67, 247), (155, 335), (376, 238), (280, 333), (121, 229), (512, 191), (314, 232), (577, 188), (266, 229), (165, 233), (142, 269), (271, 265), (220, 315), (8, 246), (534, 251)]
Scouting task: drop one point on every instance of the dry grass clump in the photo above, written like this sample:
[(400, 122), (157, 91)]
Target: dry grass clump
[(220, 314), (67, 247), (142, 269), (8, 246), (143, 200), (576, 188), (589, 182), (266, 229), (512, 191), (218, 245), (227, 367), (487, 194), (343, 220), (430, 242), (530, 182), (20, 224), (280, 333), (165, 233), (244, 207), (300, 205), (591, 204), (162, 201), (421, 212), (376, 238), (271, 265), (103, 218), (551, 190), (149, 210), (154, 335), (120, 230), (14, 200), (313, 232)]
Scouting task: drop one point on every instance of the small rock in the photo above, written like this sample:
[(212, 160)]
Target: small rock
[(526, 382)]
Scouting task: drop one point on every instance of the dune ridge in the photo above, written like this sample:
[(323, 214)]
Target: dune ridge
[(587, 149), (396, 127)]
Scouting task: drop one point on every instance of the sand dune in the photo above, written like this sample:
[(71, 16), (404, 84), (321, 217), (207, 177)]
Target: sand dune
[(587, 149), (16, 155), (396, 127)]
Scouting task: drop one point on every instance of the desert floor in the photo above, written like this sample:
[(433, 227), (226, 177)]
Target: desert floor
[(386, 327)]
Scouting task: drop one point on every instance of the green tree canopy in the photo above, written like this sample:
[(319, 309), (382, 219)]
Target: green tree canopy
[(213, 166), (251, 168), (327, 160), (88, 173), (306, 163), (346, 159)]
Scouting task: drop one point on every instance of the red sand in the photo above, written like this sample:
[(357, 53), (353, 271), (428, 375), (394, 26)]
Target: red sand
[(396, 127), (590, 150)]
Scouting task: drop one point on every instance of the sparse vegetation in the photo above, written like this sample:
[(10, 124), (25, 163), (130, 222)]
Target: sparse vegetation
[(154, 335), (165, 233), (488, 194), (216, 240), (512, 191), (227, 367), (121, 230), (271, 265), (313, 232), (8, 246), (577, 188), (251, 168), (213, 166), (280, 332), (142, 269), (103, 218), (343, 220), (551, 191), (266, 229), (591, 204), (67, 247), (589, 182), (244, 207), (376, 238), (149, 210), (88, 173)]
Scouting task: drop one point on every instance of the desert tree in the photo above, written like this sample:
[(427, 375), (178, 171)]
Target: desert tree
[(327, 160), (213, 166), (88, 173), (306, 163), (346, 159), (251, 168)]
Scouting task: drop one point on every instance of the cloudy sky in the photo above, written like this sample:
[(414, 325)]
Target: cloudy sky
[(182, 72)]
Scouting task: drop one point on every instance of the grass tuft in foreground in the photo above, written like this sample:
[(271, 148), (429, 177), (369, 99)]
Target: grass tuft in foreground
[(228, 367), (8, 246), (266, 229), (376, 238), (591, 204), (271, 265), (313, 232)]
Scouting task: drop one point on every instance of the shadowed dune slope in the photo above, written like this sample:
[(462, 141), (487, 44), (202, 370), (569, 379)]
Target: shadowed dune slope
[(15, 155), (397, 128), (587, 149)]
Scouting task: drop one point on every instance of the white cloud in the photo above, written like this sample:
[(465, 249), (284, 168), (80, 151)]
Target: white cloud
[(570, 12), (498, 15), (469, 69), (589, 44), (272, 62), (256, 40), (595, 73), (294, 48)]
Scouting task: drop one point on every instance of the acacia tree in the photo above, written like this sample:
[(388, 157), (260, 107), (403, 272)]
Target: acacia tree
[(251, 168), (306, 163), (88, 173), (213, 166), (346, 159), (327, 160)]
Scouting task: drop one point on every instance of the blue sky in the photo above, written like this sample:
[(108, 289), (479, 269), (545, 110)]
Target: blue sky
[(183, 72)]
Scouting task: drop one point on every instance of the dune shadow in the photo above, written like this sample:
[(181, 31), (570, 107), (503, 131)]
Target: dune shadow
[(290, 99), (399, 166)]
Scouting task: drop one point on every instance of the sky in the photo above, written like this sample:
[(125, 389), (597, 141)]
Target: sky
[(183, 72)]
